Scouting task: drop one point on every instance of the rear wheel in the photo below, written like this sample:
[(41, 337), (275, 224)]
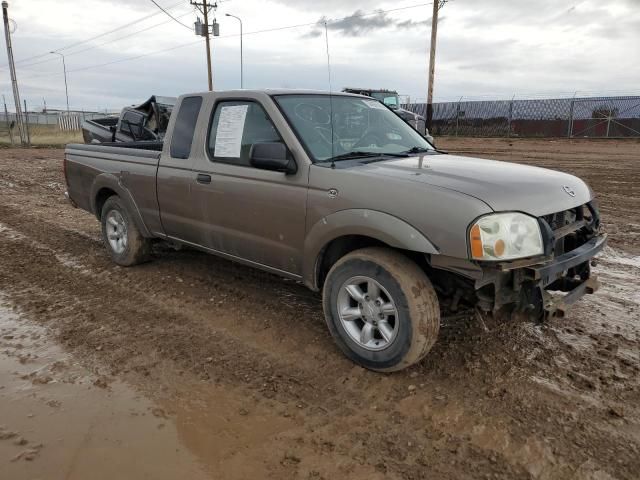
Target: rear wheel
[(381, 309), (121, 236)]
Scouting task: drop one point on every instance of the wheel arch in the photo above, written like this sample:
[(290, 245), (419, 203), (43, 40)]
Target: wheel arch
[(342, 232), (106, 185)]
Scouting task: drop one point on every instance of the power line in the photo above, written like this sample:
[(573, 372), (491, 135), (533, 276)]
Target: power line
[(116, 29), (169, 15), (109, 41), (127, 59), (66, 47)]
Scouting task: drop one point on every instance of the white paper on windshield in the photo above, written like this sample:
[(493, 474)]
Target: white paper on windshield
[(229, 131), (375, 104)]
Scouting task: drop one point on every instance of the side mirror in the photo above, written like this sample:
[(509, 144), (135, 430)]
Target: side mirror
[(272, 156)]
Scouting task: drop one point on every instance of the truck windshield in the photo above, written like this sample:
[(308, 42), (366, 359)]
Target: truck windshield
[(332, 126), (390, 99)]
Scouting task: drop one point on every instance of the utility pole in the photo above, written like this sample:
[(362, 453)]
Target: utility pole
[(203, 30), (12, 72), (437, 5)]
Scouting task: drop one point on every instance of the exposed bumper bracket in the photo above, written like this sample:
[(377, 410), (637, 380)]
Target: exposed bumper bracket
[(548, 273), (557, 305)]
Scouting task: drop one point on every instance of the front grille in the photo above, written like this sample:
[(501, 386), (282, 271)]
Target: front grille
[(569, 229), (565, 231)]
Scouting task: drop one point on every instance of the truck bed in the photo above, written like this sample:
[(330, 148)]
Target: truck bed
[(123, 169), (155, 145), (116, 151), (98, 129)]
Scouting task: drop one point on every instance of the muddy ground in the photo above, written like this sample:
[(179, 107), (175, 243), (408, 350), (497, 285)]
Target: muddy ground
[(194, 367)]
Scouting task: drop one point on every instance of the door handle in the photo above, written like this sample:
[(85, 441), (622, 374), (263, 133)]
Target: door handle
[(203, 178)]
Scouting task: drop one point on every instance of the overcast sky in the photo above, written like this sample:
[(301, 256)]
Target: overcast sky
[(494, 48)]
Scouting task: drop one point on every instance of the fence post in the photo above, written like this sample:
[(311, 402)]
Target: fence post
[(510, 117), (26, 115), (458, 115), (6, 118), (570, 129)]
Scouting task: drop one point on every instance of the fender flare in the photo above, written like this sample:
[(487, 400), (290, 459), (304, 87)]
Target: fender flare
[(110, 181), (370, 223)]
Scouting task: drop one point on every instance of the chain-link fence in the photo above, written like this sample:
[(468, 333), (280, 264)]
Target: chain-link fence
[(48, 127), (595, 117), (62, 119)]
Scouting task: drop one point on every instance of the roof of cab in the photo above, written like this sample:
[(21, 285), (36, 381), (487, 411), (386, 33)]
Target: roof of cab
[(278, 91)]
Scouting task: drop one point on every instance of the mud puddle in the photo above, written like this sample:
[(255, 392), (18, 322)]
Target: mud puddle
[(62, 421)]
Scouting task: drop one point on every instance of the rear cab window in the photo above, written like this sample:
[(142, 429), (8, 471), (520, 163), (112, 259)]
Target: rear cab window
[(184, 128), (235, 126)]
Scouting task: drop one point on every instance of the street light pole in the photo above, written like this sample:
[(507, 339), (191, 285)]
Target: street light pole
[(241, 67), (64, 69)]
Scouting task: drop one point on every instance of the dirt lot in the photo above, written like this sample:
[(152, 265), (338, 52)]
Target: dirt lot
[(194, 367)]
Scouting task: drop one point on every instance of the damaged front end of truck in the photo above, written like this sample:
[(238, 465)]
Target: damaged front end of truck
[(547, 285)]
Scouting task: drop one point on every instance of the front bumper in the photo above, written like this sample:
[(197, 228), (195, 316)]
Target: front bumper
[(547, 273), (556, 272), (529, 285)]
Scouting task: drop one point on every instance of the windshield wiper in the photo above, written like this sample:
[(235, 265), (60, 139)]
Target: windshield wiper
[(359, 154), (350, 156), (418, 150), (425, 150)]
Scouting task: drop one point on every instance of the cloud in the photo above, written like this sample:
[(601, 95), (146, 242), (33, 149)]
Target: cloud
[(360, 23), (420, 23)]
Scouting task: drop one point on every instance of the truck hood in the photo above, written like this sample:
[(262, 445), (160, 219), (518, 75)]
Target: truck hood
[(503, 186)]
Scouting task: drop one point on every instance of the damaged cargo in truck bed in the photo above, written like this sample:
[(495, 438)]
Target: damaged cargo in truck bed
[(145, 122)]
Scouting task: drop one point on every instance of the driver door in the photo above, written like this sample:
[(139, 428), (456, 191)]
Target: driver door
[(242, 211)]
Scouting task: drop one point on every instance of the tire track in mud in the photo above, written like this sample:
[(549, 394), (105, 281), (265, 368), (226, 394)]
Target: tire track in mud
[(105, 298), (88, 317), (227, 295), (92, 312), (101, 328)]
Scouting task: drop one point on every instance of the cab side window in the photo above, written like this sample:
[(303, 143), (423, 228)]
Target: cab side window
[(185, 126), (235, 127)]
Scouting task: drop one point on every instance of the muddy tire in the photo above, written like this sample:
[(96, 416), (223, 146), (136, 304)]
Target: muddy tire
[(121, 236), (381, 309)]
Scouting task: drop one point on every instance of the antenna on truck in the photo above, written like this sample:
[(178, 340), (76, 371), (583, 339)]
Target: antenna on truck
[(326, 37)]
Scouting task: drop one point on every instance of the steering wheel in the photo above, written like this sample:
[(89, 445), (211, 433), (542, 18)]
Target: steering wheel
[(310, 113), (324, 133), (378, 137), (371, 137)]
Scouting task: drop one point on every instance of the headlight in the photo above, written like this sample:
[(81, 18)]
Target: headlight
[(505, 236)]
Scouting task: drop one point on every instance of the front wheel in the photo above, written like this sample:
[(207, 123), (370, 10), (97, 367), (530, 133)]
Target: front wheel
[(381, 309), (121, 236)]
